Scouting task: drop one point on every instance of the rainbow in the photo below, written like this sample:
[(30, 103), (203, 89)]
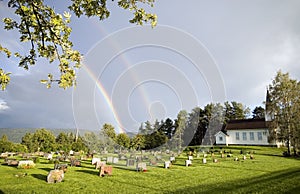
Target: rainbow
[(127, 65), (108, 101)]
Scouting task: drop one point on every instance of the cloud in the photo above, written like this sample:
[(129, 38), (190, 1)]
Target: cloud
[(3, 105), (34, 106)]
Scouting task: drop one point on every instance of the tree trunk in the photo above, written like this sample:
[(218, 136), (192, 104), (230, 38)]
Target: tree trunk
[(288, 146)]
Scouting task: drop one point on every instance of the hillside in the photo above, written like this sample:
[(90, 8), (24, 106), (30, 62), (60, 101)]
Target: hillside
[(15, 135)]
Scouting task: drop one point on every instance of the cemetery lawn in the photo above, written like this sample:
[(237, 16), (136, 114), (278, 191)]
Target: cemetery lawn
[(268, 172)]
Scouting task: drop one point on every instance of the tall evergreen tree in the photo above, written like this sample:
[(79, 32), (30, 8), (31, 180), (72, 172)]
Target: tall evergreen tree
[(180, 125), (258, 112)]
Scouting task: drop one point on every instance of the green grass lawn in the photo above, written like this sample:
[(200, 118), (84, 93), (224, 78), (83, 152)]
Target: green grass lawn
[(269, 172)]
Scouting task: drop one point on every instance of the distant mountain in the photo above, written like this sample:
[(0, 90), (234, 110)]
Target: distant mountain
[(15, 135)]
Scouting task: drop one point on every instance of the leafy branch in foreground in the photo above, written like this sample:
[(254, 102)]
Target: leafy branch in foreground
[(48, 34)]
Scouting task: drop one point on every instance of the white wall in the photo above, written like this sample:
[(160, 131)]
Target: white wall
[(223, 137), (232, 137)]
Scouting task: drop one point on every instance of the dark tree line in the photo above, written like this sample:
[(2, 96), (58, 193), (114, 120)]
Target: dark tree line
[(191, 128), (187, 129)]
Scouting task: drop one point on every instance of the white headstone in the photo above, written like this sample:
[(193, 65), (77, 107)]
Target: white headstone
[(115, 160), (167, 164), (49, 157), (95, 160), (188, 162), (172, 158)]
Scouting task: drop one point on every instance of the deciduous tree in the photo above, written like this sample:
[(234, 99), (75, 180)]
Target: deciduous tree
[(47, 33), (284, 106)]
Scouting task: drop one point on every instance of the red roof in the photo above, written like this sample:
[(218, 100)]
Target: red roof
[(246, 124)]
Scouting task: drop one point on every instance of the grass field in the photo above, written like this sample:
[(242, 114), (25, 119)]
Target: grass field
[(268, 172)]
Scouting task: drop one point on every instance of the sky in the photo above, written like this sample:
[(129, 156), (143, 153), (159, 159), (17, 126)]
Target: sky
[(202, 51)]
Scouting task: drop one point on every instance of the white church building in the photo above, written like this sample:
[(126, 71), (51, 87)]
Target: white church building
[(244, 132), (247, 131)]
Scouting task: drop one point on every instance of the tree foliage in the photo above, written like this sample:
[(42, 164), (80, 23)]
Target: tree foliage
[(284, 105), (258, 112), (123, 140), (48, 34)]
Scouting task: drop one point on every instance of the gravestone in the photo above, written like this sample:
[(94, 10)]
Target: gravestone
[(26, 164), (123, 157), (71, 153), (83, 158), (4, 155), (109, 159), (130, 162), (153, 162), (146, 157), (95, 160), (190, 157), (204, 160), (115, 160), (104, 169), (158, 157), (75, 162), (99, 164), (55, 176), (141, 166), (188, 163), (49, 157), (244, 157), (26, 155), (215, 160), (62, 167), (138, 159), (172, 159), (11, 161), (167, 164)]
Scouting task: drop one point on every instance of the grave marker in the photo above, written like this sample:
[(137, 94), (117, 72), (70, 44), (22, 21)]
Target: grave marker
[(172, 159), (55, 176), (104, 169), (75, 162), (109, 159), (95, 160), (26, 164), (167, 164), (115, 160), (130, 162), (188, 163), (141, 167), (62, 167)]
